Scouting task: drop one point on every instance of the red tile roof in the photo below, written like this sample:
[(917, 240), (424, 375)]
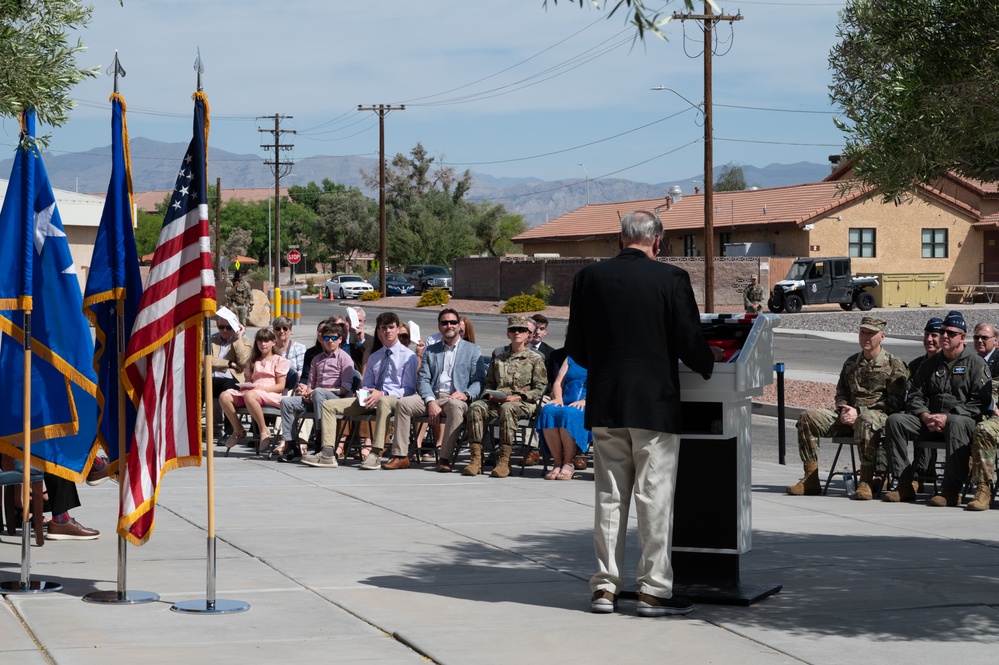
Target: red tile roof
[(795, 204)]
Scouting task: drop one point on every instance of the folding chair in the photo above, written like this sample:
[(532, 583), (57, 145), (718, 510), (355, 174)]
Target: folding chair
[(11, 479)]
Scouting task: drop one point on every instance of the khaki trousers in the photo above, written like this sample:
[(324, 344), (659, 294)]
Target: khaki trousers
[(413, 405), (349, 407), (639, 462)]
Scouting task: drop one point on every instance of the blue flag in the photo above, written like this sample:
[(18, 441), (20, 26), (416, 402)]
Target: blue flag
[(37, 275), (114, 284)]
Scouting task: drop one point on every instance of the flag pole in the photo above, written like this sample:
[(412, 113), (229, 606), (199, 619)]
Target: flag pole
[(121, 595), (209, 605), (25, 584)]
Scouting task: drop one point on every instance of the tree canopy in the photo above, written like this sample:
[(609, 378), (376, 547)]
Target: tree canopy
[(731, 179), (643, 18), (918, 82), (37, 62)]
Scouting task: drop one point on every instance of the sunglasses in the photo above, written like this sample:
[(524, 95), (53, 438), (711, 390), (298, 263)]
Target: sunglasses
[(449, 323), (282, 328), (517, 330), (952, 333), (982, 338), (330, 338), (223, 327)]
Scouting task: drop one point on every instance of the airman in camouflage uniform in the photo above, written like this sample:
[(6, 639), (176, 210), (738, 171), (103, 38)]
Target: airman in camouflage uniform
[(948, 397), (753, 296), (982, 462), (240, 297), (519, 373), (871, 386)]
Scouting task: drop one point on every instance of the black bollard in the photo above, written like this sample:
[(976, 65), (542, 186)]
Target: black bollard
[(781, 442)]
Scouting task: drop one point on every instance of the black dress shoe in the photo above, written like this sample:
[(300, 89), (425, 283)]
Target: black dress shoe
[(292, 452)]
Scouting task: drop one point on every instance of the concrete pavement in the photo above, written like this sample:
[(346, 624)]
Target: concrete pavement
[(411, 566), (344, 566)]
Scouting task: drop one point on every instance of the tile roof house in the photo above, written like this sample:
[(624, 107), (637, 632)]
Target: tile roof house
[(949, 230)]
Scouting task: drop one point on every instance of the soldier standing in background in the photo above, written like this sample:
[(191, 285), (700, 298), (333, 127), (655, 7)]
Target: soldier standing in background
[(753, 296), (240, 298)]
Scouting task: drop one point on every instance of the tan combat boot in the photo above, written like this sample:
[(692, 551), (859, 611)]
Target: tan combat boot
[(945, 498), (809, 485), (904, 491), (474, 467), (502, 468), (864, 491), (983, 498)]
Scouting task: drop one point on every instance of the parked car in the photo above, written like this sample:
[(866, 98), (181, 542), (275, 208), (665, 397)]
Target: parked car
[(424, 277), (347, 286), (395, 284)]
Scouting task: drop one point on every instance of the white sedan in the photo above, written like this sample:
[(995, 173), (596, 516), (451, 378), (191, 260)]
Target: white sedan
[(347, 286)]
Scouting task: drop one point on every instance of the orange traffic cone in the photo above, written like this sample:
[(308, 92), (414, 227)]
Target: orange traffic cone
[(320, 294)]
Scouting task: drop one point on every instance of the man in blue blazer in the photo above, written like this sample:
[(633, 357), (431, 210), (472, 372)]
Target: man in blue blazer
[(450, 377)]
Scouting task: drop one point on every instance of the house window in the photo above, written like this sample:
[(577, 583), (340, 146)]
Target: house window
[(862, 243), (934, 243), (724, 239), (689, 247)]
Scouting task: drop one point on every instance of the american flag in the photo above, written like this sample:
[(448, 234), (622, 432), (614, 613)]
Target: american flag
[(163, 364)]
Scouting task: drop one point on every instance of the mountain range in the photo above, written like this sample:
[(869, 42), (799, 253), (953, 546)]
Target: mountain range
[(154, 167)]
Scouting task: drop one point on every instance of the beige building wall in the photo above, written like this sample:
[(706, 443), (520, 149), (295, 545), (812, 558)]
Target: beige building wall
[(899, 239)]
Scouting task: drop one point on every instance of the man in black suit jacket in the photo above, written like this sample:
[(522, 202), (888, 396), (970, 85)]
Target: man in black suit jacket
[(985, 345), (630, 319)]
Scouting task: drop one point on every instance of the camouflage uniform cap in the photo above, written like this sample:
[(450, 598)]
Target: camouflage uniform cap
[(873, 323), (517, 321)]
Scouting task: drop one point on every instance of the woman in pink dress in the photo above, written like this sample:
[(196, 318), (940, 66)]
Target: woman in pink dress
[(267, 371)]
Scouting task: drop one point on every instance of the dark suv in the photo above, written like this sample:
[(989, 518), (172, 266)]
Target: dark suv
[(424, 277)]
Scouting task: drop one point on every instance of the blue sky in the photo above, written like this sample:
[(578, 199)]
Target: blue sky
[(503, 87)]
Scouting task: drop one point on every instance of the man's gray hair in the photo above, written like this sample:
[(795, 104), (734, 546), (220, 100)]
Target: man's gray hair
[(640, 227)]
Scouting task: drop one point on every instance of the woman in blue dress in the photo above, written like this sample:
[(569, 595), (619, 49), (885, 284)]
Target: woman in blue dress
[(561, 420)]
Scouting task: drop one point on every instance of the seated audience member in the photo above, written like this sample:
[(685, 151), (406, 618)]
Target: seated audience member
[(518, 374), (330, 377), (871, 387), (466, 330), (357, 341), (63, 497), (985, 346), (948, 395), (288, 348), (561, 420), (924, 460), (230, 353), (267, 372), (449, 378), (389, 375)]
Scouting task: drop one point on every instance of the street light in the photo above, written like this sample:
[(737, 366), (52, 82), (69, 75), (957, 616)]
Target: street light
[(587, 183), (709, 192)]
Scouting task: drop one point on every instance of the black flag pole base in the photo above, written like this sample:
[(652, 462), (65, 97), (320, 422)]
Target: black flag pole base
[(31, 586), (204, 606), (116, 598)]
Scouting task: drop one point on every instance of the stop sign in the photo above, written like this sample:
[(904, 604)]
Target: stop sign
[(294, 256)]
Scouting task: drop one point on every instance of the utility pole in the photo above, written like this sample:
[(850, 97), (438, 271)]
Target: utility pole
[(709, 178), (280, 169), (382, 110)]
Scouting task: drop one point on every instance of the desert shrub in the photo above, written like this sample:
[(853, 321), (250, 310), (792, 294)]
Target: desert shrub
[(371, 295), (523, 303), (543, 291), (434, 297), (310, 286)]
